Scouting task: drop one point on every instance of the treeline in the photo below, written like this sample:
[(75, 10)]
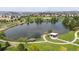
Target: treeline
[(71, 22), (32, 19), (39, 20)]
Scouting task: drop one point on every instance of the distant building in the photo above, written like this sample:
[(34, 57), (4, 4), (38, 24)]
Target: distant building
[(7, 17), (46, 18)]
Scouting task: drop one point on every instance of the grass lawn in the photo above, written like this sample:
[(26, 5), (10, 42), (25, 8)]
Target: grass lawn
[(2, 44), (46, 47), (78, 34), (56, 41), (67, 36), (12, 49), (53, 47), (77, 41)]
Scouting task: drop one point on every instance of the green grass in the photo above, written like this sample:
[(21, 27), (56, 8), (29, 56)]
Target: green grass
[(56, 41), (2, 44), (53, 47), (78, 34), (12, 49), (77, 41), (67, 36), (46, 47)]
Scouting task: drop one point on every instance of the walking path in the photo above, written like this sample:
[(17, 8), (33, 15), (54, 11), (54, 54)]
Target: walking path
[(45, 40), (76, 36), (67, 42)]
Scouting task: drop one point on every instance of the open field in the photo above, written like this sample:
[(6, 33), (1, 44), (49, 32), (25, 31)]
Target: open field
[(67, 36), (47, 47), (78, 34)]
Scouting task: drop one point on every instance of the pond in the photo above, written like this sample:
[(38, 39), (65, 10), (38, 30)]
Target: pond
[(34, 30)]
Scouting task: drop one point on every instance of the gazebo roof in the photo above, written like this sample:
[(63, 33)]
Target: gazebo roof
[(53, 33)]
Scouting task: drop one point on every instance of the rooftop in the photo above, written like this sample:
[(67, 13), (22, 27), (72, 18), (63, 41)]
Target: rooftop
[(53, 33)]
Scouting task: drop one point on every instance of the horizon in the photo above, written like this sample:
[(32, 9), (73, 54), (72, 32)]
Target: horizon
[(38, 9)]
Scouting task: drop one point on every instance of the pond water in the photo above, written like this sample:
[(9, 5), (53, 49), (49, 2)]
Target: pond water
[(34, 30)]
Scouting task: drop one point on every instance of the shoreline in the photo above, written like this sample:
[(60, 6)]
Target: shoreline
[(6, 28)]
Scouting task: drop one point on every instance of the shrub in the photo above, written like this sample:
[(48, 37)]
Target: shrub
[(7, 44), (21, 47)]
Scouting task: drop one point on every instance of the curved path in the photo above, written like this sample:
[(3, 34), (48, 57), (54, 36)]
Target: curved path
[(45, 40), (76, 36), (67, 42)]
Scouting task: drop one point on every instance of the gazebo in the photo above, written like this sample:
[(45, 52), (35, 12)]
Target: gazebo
[(54, 35)]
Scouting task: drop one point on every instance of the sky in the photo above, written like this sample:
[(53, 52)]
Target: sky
[(38, 9)]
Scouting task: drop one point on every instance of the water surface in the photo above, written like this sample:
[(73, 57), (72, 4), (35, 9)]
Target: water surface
[(34, 30)]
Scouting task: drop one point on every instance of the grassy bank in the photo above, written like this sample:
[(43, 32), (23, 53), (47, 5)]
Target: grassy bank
[(53, 40), (78, 34), (67, 36), (47, 47)]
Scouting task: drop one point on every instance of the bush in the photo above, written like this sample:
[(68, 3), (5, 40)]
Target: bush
[(3, 48), (7, 44), (49, 31), (21, 47)]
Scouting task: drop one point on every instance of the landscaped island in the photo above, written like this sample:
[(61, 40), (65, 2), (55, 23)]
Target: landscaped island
[(32, 32)]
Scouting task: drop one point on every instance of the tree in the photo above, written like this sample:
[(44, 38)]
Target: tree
[(38, 20), (21, 47), (66, 21), (54, 20), (7, 44), (49, 31), (71, 22), (2, 35), (2, 48)]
